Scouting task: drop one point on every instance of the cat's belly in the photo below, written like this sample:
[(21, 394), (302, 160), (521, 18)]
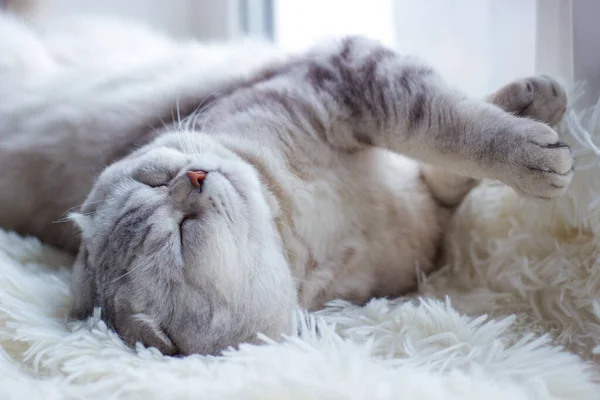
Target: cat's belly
[(367, 233)]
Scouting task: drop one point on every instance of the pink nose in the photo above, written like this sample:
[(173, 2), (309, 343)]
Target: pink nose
[(196, 177)]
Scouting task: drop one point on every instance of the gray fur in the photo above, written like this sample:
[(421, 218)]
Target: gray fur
[(229, 275)]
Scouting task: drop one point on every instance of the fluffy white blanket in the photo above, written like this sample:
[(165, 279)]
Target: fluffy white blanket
[(514, 315)]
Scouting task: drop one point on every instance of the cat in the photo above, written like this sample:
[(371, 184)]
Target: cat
[(223, 187)]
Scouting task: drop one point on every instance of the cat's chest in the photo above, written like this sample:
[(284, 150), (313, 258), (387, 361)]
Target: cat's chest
[(348, 223), (318, 235)]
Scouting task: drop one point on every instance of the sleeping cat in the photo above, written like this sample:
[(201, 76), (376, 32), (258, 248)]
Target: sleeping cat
[(223, 187)]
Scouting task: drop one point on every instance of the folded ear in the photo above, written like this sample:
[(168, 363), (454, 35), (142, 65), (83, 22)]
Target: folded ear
[(82, 283), (142, 327), (82, 288)]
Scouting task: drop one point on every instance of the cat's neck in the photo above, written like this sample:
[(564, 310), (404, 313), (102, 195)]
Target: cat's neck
[(278, 187)]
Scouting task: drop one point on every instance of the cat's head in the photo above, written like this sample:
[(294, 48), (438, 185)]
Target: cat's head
[(180, 250)]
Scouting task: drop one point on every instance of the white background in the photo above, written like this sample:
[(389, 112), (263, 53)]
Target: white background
[(477, 44)]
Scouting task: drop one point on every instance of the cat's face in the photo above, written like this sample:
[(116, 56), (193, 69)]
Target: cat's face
[(180, 250)]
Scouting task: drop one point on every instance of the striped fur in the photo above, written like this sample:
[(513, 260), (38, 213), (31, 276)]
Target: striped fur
[(315, 188)]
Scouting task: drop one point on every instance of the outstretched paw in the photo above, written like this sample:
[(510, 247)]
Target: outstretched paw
[(540, 166)]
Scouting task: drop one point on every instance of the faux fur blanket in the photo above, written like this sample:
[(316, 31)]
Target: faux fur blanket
[(515, 314)]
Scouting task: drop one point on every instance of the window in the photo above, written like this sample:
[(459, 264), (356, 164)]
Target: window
[(477, 44)]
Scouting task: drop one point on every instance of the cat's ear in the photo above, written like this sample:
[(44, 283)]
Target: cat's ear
[(144, 328), (82, 290)]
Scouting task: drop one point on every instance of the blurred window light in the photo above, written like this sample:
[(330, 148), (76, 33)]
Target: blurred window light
[(478, 45)]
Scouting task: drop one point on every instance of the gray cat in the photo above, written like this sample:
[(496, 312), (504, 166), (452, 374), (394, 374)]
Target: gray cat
[(222, 188)]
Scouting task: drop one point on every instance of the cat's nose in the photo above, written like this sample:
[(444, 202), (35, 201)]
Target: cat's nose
[(188, 183), (196, 177)]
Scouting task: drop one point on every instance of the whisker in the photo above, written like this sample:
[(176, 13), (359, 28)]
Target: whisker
[(178, 111), (67, 219), (190, 121), (80, 205)]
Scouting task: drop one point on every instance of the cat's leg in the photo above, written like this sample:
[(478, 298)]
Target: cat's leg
[(540, 98), (367, 95)]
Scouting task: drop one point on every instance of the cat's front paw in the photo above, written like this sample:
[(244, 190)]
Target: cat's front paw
[(539, 166)]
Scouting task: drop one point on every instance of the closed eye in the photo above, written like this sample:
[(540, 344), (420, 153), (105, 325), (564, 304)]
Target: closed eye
[(158, 185), (154, 179), (181, 230), (183, 220)]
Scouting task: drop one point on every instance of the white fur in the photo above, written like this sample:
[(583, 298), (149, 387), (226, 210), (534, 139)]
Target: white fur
[(171, 69), (385, 350)]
